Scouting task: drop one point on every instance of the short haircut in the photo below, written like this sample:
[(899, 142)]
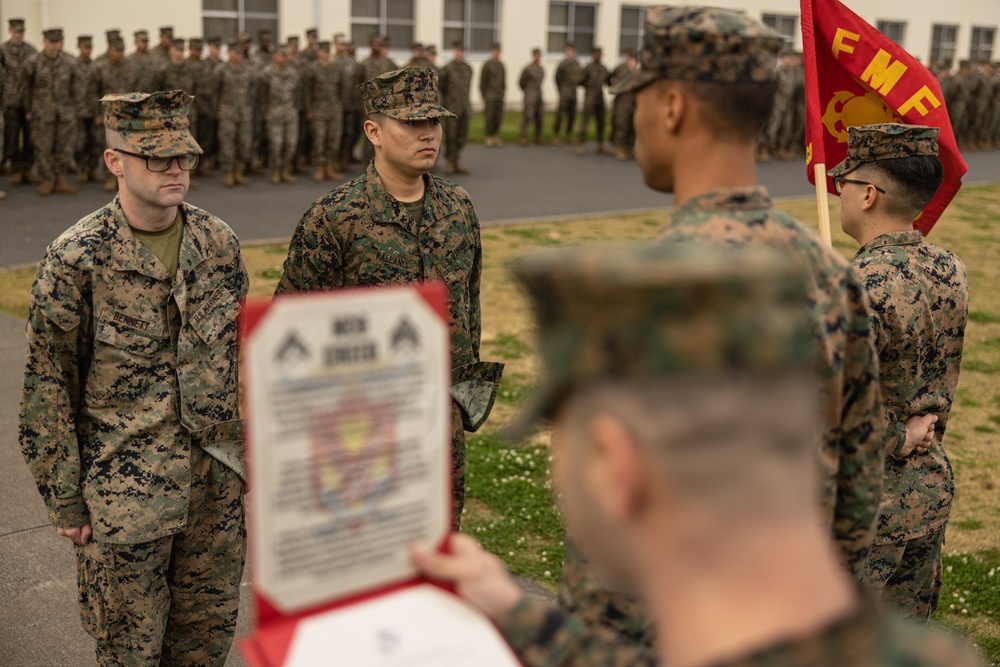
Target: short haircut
[(911, 182), (377, 117), (734, 111)]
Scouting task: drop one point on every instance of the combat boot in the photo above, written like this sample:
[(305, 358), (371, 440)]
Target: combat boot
[(556, 141), (301, 165), (286, 176), (600, 148), (229, 179), (450, 169), (522, 141), (240, 178), (459, 169), (620, 154), (3, 195), (17, 178), (31, 178), (64, 188), (581, 150), (45, 189), (110, 184), (275, 177), (332, 173), (497, 142), (84, 176), (319, 174)]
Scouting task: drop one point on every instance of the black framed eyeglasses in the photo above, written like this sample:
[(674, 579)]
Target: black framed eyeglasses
[(838, 184), (157, 164)]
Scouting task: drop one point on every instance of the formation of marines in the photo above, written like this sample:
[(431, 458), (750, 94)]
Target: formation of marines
[(749, 430)]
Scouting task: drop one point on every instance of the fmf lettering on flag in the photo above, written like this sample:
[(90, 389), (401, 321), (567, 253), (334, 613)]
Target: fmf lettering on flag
[(855, 76)]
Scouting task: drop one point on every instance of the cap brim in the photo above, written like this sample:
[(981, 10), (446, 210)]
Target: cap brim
[(844, 167), (541, 406), (419, 112), (633, 81), (162, 143)]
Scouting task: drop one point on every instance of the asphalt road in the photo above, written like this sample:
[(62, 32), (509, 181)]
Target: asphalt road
[(508, 184)]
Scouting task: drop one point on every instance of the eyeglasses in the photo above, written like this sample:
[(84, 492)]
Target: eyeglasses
[(838, 184), (160, 164)]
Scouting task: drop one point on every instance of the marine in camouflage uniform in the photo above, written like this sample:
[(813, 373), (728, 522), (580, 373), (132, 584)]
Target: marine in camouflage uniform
[(623, 109), (530, 84), (89, 138), (130, 414), (233, 108), (309, 53), (179, 74), (3, 195), (279, 85), (146, 65), (206, 84), (920, 298), (995, 105), (259, 60), (773, 135), (592, 80), (456, 87), (360, 234), (350, 101), (960, 106), (48, 95), (377, 62), (493, 87), (17, 131), (850, 446), (111, 76), (680, 381), (323, 84), (568, 76)]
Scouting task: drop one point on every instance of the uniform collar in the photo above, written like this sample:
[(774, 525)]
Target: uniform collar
[(728, 199), (129, 254), (911, 237), (387, 210)]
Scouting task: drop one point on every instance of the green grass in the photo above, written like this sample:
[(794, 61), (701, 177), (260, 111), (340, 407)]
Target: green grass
[(510, 127)]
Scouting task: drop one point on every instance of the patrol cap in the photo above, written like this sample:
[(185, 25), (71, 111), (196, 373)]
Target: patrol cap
[(196, 43), (292, 39), (377, 40), (703, 44), (84, 40), (53, 34), (312, 32), (432, 50), (141, 34), (116, 44), (495, 46), (886, 141), (280, 50), (339, 38), (458, 44), (536, 52), (243, 36), (167, 31), (263, 32), (154, 124), (416, 46), (16, 25), (234, 46), (323, 46), (663, 312), (111, 34), (214, 40), (405, 94), (177, 43)]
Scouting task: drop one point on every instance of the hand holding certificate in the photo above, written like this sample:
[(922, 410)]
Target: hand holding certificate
[(348, 396)]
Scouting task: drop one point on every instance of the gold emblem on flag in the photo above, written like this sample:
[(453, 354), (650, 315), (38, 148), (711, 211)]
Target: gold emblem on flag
[(846, 110)]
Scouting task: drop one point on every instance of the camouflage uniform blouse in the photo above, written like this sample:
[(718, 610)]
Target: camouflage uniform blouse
[(867, 637), (920, 299), (128, 368), (359, 235)]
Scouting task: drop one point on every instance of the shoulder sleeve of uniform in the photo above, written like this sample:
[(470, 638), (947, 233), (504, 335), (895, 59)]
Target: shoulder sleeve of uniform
[(314, 253), (57, 293)]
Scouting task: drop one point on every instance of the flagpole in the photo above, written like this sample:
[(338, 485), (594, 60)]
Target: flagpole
[(823, 203)]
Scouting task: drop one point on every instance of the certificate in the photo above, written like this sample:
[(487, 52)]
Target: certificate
[(348, 408)]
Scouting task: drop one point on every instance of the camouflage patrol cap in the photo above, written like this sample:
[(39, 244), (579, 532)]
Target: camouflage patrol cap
[(886, 141), (116, 44), (340, 38), (53, 34), (657, 313), (312, 32), (16, 24), (177, 43), (215, 40), (167, 31), (85, 40), (703, 44), (405, 94), (292, 39), (196, 43), (323, 46), (141, 34), (152, 124)]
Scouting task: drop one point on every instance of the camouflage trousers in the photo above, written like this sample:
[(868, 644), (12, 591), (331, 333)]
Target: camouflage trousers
[(172, 601), (208, 135), (234, 143), (531, 117), (622, 127), (306, 137), (89, 145), (595, 109), (17, 140), (351, 130), (494, 116), (55, 143), (456, 132), (907, 574), (566, 110), (457, 467), (327, 135), (282, 139)]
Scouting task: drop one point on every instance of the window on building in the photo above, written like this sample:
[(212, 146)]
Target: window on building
[(572, 22), (943, 38), (475, 23), (981, 47), (393, 18), (226, 18), (783, 24), (894, 30), (630, 35)]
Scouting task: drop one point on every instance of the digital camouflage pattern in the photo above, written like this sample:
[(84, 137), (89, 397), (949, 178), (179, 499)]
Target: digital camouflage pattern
[(568, 75), (886, 141), (530, 84), (456, 86), (593, 79), (17, 131), (323, 86), (920, 298), (128, 370), (672, 310), (152, 124), (125, 591), (48, 92), (234, 110), (278, 88), (703, 44), (405, 94), (109, 78), (493, 87), (359, 235), (622, 112)]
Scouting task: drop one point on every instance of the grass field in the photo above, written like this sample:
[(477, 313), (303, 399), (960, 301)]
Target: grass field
[(510, 506)]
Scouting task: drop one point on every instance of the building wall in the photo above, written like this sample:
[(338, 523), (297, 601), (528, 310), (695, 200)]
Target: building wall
[(523, 24)]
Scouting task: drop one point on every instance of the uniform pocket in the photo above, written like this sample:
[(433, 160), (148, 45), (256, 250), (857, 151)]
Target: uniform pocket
[(100, 604), (130, 334), (215, 321)]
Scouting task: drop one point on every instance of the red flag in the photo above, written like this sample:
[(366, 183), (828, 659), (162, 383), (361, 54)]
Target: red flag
[(855, 75)]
